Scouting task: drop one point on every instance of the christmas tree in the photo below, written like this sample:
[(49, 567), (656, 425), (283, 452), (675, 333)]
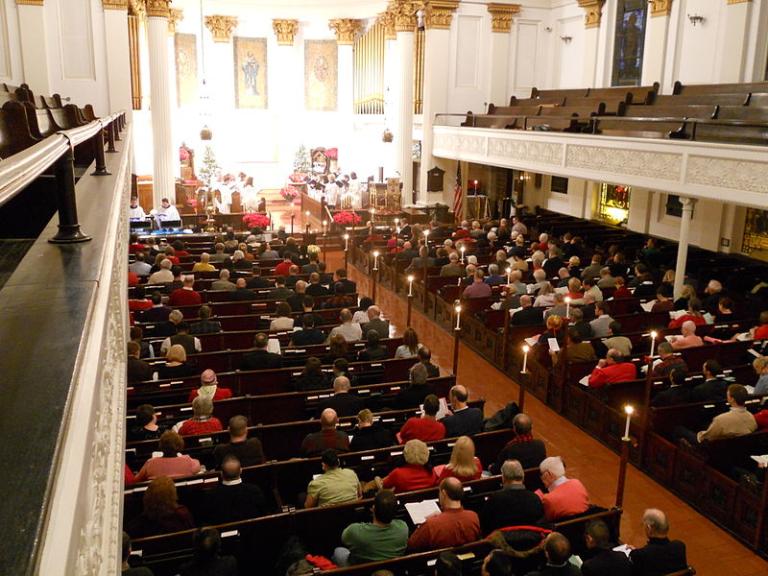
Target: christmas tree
[(301, 161), (210, 167)]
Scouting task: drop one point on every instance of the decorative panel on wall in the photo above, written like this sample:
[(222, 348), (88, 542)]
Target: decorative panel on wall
[(5, 52), (321, 75), (250, 58), (76, 35), (468, 53), (571, 46), (527, 51), (186, 69)]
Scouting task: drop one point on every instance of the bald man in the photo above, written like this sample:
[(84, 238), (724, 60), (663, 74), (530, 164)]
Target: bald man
[(342, 401), (454, 526), (349, 329), (329, 437), (233, 499), (464, 421), (557, 549), (661, 555)]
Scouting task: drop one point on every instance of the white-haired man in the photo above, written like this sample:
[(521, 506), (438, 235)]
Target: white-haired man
[(564, 496)]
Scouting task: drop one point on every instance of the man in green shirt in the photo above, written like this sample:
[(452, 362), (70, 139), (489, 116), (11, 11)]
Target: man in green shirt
[(384, 538), (335, 485)]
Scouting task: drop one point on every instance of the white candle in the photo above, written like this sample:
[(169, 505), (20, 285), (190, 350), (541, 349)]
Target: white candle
[(629, 410), (475, 185), (525, 357), (325, 223), (458, 317), (567, 306), (462, 254), (397, 225), (410, 285), (346, 242), (509, 275), (376, 260), (653, 341)]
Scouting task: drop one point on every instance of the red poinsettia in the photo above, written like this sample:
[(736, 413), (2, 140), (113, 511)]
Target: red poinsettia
[(289, 192), (256, 220), (347, 218)]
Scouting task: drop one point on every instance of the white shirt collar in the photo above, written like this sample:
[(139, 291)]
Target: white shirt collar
[(232, 482)]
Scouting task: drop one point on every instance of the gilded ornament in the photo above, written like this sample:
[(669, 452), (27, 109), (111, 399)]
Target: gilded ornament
[(346, 30), (221, 27), (285, 30), (501, 16), (594, 9), (112, 4), (404, 12), (177, 15), (661, 7), (387, 20), (439, 13), (158, 8)]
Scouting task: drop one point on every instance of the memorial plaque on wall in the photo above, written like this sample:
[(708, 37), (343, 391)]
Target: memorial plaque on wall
[(435, 180)]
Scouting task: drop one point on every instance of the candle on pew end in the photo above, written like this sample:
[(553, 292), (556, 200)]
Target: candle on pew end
[(346, 242), (509, 275), (410, 285), (525, 357), (567, 306), (462, 249), (376, 260), (458, 316), (654, 335), (629, 411)]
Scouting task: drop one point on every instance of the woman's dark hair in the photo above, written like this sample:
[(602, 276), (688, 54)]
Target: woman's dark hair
[(207, 544), (313, 366), (365, 303)]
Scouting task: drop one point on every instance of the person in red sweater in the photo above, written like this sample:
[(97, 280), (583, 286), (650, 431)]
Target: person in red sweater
[(463, 465), (209, 388), (284, 268), (564, 496), (621, 290), (692, 314), (426, 428), (761, 331), (612, 369), (186, 295), (416, 473), (454, 526), (203, 421)]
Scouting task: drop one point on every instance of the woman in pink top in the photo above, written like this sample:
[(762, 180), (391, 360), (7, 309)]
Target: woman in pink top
[(463, 465), (171, 463)]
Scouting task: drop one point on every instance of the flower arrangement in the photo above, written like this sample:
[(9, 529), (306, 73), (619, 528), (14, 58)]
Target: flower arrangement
[(256, 220), (289, 193), (297, 178), (347, 218)]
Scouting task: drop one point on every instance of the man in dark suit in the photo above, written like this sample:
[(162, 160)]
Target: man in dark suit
[(242, 292), (369, 435), (158, 313), (234, 500), (260, 358), (345, 403), (257, 280), (407, 254), (514, 504), (296, 300), (661, 555), (315, 288), (528, 315), (557, 550), (375, 323), (714, 387), (138, 370), (350, 287), (600, 559), (465, 421), (523, 447), (418, 389), (308, 335), (425, 357)]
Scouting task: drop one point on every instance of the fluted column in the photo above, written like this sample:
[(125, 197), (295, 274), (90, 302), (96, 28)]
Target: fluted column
[(405, 24), (437, 43), (387, 20), (34, 45), (682, 245), (292, 97), (656, 31), (160, 100), (501, 26)]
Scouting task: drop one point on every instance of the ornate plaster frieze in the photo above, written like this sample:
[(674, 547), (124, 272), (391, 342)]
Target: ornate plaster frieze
[(501, 16), (29, 2), (113, 4), (661, 7), (738, 1), (285, 30), (460, 142), (404, 12), (439, 14), (649, 164), (221, 27), (531, 151), (176, 16), (594, 12), (728, 173), (158, 8), (346, 30), (387, 20), (137, 8)]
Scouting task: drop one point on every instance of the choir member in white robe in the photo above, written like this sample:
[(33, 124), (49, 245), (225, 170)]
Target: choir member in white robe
[(136, 212)]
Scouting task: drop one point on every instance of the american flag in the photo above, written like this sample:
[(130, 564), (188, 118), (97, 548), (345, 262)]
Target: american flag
[(458, 196)]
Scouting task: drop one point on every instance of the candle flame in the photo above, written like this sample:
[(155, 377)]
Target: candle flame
[(458, 309), (629, 409), (376, 254), (526, 348), (410, 278), (654, 334)]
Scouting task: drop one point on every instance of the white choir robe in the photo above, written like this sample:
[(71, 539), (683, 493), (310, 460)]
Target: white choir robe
[(136, 213)]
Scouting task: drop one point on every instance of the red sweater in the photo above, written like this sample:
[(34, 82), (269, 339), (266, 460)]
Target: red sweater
[(195, 427), (283, 268), (612, 373), (410, 477), (424, 429), (567, 499), (184, 297), (452, 527)]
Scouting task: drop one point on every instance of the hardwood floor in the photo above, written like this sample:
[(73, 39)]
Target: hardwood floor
[(710, 549)]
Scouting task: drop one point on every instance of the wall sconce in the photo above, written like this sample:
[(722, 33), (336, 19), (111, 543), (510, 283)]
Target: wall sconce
[(696, 19), (566, 39)]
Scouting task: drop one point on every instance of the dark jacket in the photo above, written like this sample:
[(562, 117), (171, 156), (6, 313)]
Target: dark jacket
[(466, 422), (529, 454), (603, 562), (138, 370), (233, 503), (219, 566), (413, 396), (345, 404), (528, 317), (660, 556), (510, 507), (308, 337), (205, 327), (371, 438), (260, 360), (249, 452), (710, 390)]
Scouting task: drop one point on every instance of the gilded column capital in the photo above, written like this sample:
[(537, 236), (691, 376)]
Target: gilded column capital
[(221, 27), (346, 30), (404, 12), (501, 16), (29, 2), (158, 8), (176, 16), (137, 8), (387, 20), (439, 14), (285, 30), (113, 4), (661, 7), (738, 1), (594, 12)]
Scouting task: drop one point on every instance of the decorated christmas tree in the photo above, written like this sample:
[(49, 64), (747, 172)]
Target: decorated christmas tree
[(301, 163), (210, 167)]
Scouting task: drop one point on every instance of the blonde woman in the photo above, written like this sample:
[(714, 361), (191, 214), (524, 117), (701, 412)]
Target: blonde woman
[(176, 365), (415, 474), (463, 465)]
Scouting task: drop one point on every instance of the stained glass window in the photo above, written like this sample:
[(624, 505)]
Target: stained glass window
[(629, 40), (755, 242), (613, 206)]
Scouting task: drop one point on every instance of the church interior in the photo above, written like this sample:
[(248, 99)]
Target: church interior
[(391, 287)]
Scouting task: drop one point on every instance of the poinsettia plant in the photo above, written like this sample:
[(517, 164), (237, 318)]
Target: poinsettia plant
[(255, 220), (347, 218), (289, 193)]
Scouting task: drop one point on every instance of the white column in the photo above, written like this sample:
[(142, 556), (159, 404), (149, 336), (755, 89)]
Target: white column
[(501, 25), (682, 247), (118, 57), (731, 59), (391, 75), (33, 36), (655, 51), (160, 101), (592, 20), (286, 96), (404, 94), (437, 44), (346, 30)]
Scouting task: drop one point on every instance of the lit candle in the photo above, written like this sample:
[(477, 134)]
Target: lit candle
[(525, 357), (325, 223), (475, 185), (307, 214), (629, 410), (397, 225), (462, 254), (376, 260), (346, 242), (458, 316), (654, 334), (567, 306), (410, 285), (426, 235), (509, 275)]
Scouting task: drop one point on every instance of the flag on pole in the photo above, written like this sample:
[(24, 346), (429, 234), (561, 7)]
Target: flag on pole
[(458, 196)]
